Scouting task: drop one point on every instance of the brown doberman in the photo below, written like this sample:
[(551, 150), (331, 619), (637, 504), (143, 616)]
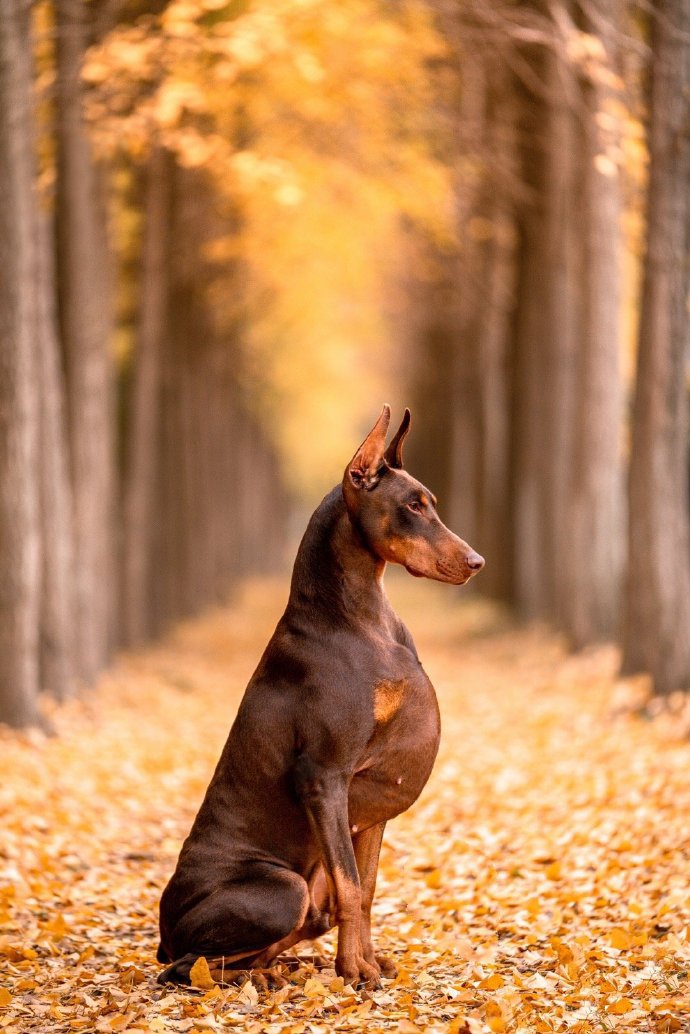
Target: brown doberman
[(337, 733)]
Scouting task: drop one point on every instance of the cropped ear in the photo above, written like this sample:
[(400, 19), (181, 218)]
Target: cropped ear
[(364, 469), (393, 455)]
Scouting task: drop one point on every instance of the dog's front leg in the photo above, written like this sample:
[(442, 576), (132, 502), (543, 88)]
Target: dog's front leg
[(324, 794), (367, 846)]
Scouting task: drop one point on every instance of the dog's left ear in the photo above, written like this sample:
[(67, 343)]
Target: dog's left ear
[(394, 453), (364, 469)]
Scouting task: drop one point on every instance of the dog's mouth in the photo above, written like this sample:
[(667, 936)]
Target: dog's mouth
[(450, 573), (442, 573)]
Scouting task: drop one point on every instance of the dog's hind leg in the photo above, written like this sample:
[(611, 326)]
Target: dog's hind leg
[(238, 921)]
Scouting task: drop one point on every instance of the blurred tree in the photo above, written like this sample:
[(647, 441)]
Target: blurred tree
[(657, 620), (312, 120), (36, 615), (86, 324), (533, 343), (19, 419), (456, 324), (203, 494), (269, 166), (568, 459), (593, 542), (143, 413), (487, 191), (57, 654)]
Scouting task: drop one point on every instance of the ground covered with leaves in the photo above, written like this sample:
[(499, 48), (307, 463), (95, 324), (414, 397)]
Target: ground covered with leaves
[(541, 883)]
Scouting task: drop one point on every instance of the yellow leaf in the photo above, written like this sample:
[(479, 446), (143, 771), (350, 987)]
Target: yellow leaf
[(248, 994), (667, 1024), (458, 1026), (621, 1006), (433, 879), (118, 1022), (5, 997), (493, 982), (200, 974), (57, 927), (464, 949), (619, 938), (314, 989), (495, 1017), (214, 992), (553, 871), (281, 995)]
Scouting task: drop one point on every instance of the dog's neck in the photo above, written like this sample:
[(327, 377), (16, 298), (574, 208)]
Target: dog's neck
[(335, 575)]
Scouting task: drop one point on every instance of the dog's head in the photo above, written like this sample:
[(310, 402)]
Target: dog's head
[(396, 515)]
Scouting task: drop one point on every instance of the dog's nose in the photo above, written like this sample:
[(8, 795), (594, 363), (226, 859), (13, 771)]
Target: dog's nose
[(475, 562)]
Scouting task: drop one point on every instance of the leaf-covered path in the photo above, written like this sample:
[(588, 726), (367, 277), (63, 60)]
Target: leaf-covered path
[(542, 882)]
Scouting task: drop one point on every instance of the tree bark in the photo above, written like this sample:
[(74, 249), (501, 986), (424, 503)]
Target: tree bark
[(595, 510), (487, 287), (567, 469), (19, 499), (143, 417), (545, 340), (57, 637), (657, 622), (86, 327)]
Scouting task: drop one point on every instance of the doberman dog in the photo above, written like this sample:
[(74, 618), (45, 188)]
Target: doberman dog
[(336, 734)]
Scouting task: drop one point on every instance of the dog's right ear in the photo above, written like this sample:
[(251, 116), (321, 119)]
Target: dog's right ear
[(393, 455), (364, 469)]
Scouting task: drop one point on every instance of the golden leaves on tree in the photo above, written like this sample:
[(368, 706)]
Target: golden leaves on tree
[(314, 122)]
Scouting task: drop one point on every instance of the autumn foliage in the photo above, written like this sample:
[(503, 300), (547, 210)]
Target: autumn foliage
[(539, 885), (229, 230)]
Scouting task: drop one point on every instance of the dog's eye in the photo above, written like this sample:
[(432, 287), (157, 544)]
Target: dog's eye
[(415, 506)]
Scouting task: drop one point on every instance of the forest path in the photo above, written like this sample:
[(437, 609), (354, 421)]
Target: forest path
[(541, 883)]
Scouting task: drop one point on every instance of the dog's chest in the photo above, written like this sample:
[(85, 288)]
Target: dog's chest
[(405, 713), (401, 752)]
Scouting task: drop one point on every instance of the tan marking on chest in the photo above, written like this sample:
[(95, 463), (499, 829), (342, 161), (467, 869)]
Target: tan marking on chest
[(388, 697)]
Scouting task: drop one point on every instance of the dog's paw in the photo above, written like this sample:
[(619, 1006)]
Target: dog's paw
[(387, 966), (382, 963), (358, 972)]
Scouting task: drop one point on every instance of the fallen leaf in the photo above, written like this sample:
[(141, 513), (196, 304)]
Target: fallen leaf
[(200, 974), (619, 938), (619, 1007)]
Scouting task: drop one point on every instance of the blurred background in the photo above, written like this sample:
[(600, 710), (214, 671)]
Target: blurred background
[(230, 231)]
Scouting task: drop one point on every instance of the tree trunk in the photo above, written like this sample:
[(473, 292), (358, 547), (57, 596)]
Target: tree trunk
[(143, 417), (86, 328), (595, 512), (57, 589), (657, 623), (561, 295), (488, 290), (19, 501), (217, 512), (196, 506), (545, 341)]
